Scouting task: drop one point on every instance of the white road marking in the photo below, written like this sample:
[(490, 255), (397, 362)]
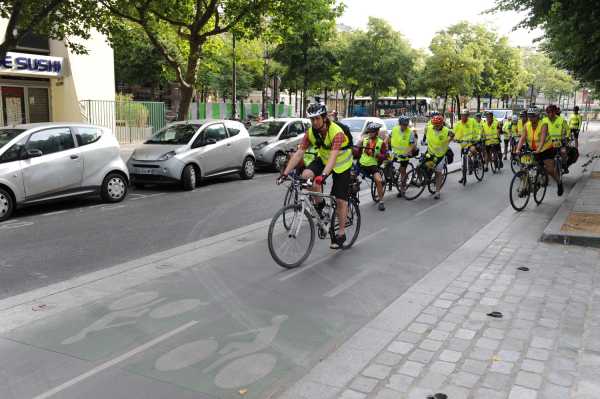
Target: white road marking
[(53, 213), (112, 207), (347, 284), (429, 208), (313, 264), (12, 225), (114, 361)]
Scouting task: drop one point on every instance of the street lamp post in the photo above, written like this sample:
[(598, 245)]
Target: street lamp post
[(234, 88)]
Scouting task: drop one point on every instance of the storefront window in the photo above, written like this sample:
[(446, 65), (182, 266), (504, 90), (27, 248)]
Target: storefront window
[(13, 105), (38, 105)]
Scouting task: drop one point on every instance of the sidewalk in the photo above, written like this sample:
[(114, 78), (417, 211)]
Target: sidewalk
[(438, 337), (578, 219)]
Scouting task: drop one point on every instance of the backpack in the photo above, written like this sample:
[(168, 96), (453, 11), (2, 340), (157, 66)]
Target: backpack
[(345, 129)]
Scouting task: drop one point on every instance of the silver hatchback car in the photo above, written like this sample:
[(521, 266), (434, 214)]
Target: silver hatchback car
[(273, 138), (186, 152), (49, 161)]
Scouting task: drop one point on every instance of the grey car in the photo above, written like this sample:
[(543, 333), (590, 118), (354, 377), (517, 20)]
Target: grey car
[(186, 152), (271, 139), (49, 161)]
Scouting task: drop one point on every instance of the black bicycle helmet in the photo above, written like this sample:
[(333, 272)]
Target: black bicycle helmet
[(404, 120), (523, 113), (373, 127), (316, 109), (478, 115), (533, 112)]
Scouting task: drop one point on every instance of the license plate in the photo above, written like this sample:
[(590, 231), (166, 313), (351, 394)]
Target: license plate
[(145, 171)]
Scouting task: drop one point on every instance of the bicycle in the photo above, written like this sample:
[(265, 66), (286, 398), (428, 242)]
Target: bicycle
[(532, 177), (423, 175), (494, 160), (471, 163), (393, 176), (294, 224), (514, 159)]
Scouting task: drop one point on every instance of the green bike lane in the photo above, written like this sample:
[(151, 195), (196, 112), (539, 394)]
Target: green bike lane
[(219, 319)]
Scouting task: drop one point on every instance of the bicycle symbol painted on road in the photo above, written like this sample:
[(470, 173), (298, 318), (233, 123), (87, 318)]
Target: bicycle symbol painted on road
[(128, 310), (243, 363)]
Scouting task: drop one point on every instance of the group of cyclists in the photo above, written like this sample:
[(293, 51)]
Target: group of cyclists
[(327, 149)]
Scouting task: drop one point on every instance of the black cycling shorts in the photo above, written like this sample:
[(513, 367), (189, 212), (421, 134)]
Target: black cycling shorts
[(341, 181), (369, 170), (490, 147), (546, 155)]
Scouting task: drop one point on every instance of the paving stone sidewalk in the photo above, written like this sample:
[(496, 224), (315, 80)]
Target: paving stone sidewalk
[(438, 338)]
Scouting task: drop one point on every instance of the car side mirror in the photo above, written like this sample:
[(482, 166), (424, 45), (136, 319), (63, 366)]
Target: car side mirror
[(34, 153)]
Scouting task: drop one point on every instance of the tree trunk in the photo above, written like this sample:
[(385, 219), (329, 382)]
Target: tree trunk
[(458, 105), (187, 86), (490, 101), (478, 103), (444, 106), (326, 95)]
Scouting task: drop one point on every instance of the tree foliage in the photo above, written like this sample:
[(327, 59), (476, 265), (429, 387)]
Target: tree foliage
[(571, 35), (57, 19)]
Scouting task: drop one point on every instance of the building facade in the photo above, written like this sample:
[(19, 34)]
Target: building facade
[(43, 81)]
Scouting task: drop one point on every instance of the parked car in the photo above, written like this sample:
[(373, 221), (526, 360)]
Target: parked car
[(271, 139), (187, 151), (49, 161), (358, 125), (502, 114)]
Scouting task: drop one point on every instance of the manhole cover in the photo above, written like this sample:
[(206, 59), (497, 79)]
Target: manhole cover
[(496, 315), (438, 396), (523, 269)]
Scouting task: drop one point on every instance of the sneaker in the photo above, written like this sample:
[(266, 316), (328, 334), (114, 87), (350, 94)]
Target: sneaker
[(381, 206), (501, 164), (566, 171), (399, 195), (461, 181), (561, 189), (485, 169), (437, 196), (338, 242)]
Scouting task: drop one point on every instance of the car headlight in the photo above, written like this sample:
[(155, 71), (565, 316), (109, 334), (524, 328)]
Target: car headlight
[(261, 145), (167, 156)]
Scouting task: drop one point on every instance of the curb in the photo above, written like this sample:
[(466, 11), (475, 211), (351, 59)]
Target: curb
[(553, 232)]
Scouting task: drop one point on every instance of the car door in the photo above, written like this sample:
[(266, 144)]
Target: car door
[(239, 144), (295, 135), (212, 157), (58, 169)]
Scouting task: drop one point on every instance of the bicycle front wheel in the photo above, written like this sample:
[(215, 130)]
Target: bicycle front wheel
[(540, 185), (431, 185), (478, 167), (291, 236), (415, 184), (374, 193), (514, 163), (519, 190), (352, 224), (494, 162)]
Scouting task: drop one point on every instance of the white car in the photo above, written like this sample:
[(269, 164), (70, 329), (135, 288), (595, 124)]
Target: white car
[(42, 162), (358, 125)]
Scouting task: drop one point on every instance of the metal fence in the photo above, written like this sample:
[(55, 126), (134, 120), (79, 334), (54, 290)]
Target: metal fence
[(131, 121)]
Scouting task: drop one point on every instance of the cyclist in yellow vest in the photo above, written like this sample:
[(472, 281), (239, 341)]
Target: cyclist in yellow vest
[(334, 157), (514, 133), (438, 144), (575, 122), (535, 134), (506, 134), (554, 131), (491, 136), (371, 153), (403, 143), (465, 133)]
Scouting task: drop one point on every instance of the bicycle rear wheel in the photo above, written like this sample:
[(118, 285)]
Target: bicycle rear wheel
[(519, 190), (478, 167), (415, 184), (465, 167), (540, 185), (494, 162), (291, 236), (514, 163), (352, 224)]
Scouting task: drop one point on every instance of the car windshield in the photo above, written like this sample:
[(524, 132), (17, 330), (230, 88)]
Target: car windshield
[(266, 129), (355, 125), (499, 114), (390, 123), (174, 134), (7, 135)]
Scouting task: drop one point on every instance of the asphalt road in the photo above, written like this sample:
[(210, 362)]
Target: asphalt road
[(227, 321)]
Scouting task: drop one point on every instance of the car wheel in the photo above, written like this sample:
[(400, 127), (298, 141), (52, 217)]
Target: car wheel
[(247, 171), (279, 161), (114, 188), (189, 178), (7, 205)]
